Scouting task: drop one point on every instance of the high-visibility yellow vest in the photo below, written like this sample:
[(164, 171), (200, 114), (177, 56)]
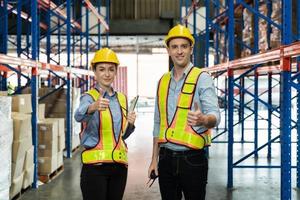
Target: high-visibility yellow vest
[(108, 150), (10, 89), (179, 132)]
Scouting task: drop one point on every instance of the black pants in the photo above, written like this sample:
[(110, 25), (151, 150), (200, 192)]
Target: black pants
[(182, 172), (103, 182)]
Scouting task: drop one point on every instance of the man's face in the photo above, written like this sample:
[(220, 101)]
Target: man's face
[(180, 51), (105, 73)]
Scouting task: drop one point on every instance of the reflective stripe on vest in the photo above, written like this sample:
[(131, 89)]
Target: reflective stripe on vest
[(108, 149), (179, 132)]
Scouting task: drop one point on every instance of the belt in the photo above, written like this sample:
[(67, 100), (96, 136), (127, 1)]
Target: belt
[(172, 153)]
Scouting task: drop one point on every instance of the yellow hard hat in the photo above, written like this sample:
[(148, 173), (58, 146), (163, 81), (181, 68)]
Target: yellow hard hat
[(105, 55), (179, 31)]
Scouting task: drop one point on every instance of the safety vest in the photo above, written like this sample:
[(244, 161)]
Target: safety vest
[(179, 132), (10, 89), (108, 150)]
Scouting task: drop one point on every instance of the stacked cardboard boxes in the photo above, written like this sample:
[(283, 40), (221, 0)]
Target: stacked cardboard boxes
[(22, 149), (6, 137), (47, 148), (55, 107), (263, 28), (248, 38), (76, 127), (275, 38), (51, 145)]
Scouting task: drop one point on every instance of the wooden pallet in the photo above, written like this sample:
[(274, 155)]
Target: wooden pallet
[(19, 194), (45, 178)]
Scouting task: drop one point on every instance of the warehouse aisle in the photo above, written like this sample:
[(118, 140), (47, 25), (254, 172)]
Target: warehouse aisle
[(249, 184)]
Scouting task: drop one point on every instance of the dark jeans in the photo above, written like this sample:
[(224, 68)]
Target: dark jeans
[(182, 172), (103, 182)]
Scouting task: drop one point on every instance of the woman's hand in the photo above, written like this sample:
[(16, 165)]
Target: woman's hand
[(101, 104), (131, 118)]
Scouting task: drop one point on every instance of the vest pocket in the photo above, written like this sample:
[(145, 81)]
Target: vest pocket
[(188, 88), (185, 100)]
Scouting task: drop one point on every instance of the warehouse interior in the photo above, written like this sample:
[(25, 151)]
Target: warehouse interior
[(250, 48)]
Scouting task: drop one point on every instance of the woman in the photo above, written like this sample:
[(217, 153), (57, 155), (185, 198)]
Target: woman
[(103, 112)]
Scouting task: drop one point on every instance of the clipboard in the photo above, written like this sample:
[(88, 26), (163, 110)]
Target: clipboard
[(131, 108), (133, 103)]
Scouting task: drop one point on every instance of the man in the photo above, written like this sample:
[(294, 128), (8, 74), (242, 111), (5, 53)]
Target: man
[(185, 112)]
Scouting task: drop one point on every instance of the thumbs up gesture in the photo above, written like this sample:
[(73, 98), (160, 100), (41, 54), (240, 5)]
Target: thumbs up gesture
[(101, 104), (196, 117)]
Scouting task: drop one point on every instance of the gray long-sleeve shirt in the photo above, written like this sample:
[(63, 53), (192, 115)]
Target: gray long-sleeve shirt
[(205, 96), (90, 136)]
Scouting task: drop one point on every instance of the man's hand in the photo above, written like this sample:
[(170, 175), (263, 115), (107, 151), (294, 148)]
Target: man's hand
[(197, 118), (154, 160), (101, 104), (153, 167)]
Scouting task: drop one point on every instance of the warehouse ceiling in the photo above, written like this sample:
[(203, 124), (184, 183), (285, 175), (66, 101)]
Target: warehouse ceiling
[(132, 23), (129, 43)]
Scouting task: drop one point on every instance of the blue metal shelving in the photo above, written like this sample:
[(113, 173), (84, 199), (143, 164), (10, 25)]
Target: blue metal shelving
[(48, 21), (252, 69)]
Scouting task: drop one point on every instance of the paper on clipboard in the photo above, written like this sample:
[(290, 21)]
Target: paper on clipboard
[(133, 103), (131, 108)]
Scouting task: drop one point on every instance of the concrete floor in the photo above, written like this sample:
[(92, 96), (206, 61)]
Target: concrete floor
[(249, 184)]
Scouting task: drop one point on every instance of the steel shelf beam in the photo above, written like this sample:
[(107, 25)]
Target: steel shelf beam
[(59, 12), (57, 15), (99, 17)]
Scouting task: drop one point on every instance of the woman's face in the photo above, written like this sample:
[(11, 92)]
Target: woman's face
[(105, 74)]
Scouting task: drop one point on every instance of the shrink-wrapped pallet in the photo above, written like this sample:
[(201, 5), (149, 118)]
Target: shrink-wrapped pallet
[(6, 137), (5, 108)]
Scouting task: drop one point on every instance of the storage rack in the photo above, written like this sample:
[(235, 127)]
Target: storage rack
[(45, 20), (282, 62)]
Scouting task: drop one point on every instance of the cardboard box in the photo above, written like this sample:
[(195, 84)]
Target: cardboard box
[(3, 93), (60, 159), (20, 147), (28, 158), (48, 131), (61, 142), (41, 115), (22, 103), (17, 168), (47, 165), (22, 125), (75, 141), (61, 124), (16, 186), (48, 148), (59, 106), (28, 177)]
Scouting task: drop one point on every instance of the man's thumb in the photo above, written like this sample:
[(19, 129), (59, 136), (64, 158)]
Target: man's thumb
[(196, 107)]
